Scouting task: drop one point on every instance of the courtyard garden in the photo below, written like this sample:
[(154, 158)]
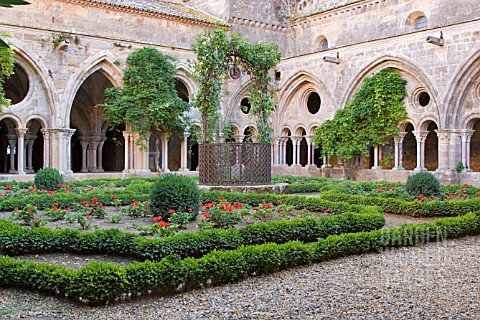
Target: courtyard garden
[(163, 236)]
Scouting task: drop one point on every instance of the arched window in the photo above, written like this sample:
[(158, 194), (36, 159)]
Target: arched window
[(324, 45), (421, 23)]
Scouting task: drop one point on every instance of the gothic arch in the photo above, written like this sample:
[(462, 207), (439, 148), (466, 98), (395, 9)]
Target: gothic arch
[(34, 66), (183, 71), (103, 62), (397, 62), (459, 87)]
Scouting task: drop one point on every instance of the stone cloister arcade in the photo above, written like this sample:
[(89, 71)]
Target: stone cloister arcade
[(86, 144)]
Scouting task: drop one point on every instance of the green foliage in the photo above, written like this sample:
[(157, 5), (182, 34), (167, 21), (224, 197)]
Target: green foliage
[(101, 283), (368, 120), (48, 179), (215, 52), (148, 99), (174, 192), (460, 167), (180, 218), (10, 3), (6, 69), (423, 183)]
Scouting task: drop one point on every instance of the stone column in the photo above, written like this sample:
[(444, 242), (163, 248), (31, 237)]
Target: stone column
[(184, 152), (309, 151), (84, 144), (296, 151), (466, 139), (443, 151), (326, 162), (164, 138), (375, 158), (126, 136), (20, 150), (46, 147), (30, 154), (399, 151), (276, 151), (12, 143), (420, 136), (68, 133), (239, 138), (100, 154), (94, 142), (284, 150)]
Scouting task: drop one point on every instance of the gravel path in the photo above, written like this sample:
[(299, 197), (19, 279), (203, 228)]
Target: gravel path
[(432, 281)]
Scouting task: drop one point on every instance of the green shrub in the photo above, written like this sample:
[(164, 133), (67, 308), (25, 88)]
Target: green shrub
[(48, 179), (174, 192), (423, 183)]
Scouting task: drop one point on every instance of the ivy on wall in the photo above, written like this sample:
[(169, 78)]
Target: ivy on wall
[(368, 120), (148, 99), (216, 52), (6, 70)]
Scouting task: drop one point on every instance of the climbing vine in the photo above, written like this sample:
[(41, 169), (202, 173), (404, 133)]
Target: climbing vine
[(368, 120), (6, 70), (216, 53), (148, 99)]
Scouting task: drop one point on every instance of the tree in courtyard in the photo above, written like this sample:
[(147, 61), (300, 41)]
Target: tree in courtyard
[(368, 120), (148, 100), (216, 53), (6, 69)]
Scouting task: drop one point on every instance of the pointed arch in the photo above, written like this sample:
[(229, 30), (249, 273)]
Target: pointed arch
[(183, 73), (295, 82), (35, 66), (104, 62), (397, 62), (459, 87)]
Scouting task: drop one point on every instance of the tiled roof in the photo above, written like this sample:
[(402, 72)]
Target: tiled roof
[(160, 7)]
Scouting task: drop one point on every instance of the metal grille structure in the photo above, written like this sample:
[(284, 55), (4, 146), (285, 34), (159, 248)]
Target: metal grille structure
[(245, 163)]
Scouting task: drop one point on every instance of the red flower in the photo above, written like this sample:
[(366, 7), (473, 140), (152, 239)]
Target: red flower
[(94, 200), (465, 185), (325, 211), (279, 201), (229, 207), (190, 209), (206, 215), (73, 182), (157, 219), (87, 217), (29, 211), (164, 224), (255, 208), (220, 198), (380, 190), (59, 185), (114, 197), (171, 211), (35, 219), (203, 219)]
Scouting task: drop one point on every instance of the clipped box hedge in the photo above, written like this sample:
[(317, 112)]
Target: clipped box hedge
[(411, 208), (101, 283), (15, 239)]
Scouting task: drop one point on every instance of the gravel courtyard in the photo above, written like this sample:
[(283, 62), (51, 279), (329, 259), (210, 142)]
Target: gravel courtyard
[(431, 281)]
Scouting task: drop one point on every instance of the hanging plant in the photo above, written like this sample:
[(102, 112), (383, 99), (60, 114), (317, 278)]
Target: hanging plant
[(6, 70)]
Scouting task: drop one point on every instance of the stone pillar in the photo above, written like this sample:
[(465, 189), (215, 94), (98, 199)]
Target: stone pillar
[(420, 136), (164, 138), (375, 158), (20, 150), (30, 154), (46, 147), (309, 151), (132, 153), (94, 142), (443, 151), (466, 139), (184, 152), (326, 162), (126, 136), (84, 144), (296, 151), (284, 150), (399, 151), (100, 154), (12, 143), (276, 152)]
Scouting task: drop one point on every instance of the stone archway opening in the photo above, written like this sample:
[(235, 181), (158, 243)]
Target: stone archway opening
[(8, 145), (93, 141), (409, 150), (34, 147), (431, 147), (475, 147)]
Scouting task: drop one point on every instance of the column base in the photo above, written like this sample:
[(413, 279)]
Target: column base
[(296, 165), (184, 169), (165, 170), (84, 170), (21, 172), (326, 166), (376, 168), (12, 171), (467, 170), (417, 170), (398, 168)]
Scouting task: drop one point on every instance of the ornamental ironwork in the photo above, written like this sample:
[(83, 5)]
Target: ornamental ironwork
[(245, 163)]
